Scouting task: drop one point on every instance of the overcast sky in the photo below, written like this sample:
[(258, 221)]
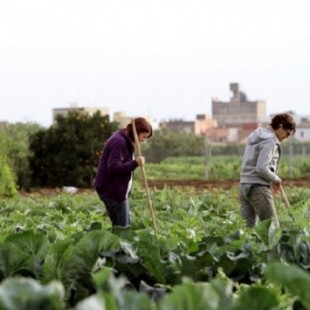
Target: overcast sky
[(162, 58)]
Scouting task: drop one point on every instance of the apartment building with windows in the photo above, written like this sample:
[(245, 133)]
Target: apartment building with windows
[(239, 110)]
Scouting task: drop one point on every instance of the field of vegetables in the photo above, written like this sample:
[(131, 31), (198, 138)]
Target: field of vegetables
[(220, 168), (60, 252)]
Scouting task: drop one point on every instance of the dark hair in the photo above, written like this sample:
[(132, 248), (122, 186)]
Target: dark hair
[(142, 125), (284, 119)]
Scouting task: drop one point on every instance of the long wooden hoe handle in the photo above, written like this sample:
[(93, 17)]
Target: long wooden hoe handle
[(287, 203), (149, 201), (284, 197)]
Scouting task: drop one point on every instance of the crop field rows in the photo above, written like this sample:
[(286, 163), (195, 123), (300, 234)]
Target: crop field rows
[(61, 252)]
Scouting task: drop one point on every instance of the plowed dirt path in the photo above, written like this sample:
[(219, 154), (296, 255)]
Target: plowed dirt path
[(201, 184), (197, 184)]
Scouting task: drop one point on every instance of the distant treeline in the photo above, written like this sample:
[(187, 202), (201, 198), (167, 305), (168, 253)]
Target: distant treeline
[(166, 144), (67, 153)]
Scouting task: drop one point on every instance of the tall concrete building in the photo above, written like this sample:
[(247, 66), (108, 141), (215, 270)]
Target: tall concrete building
[(239, 110)]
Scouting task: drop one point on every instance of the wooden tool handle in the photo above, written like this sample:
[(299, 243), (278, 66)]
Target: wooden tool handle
[(284, 197), (150, 206)]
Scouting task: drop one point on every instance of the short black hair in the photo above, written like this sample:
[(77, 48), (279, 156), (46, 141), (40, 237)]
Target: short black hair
[(284, 119)]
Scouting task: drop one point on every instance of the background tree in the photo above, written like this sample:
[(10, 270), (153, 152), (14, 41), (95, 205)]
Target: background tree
[(166, 143), (7, 183), (15, 139), (68, 152)]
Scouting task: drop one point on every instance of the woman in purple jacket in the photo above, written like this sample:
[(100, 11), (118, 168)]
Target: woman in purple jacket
[(114, 174)]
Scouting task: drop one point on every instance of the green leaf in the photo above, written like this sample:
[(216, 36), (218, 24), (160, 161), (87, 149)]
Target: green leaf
[(101, 278), (151, 251), (13, 261), (224, 289), (191, 296), (35, 246), (25, 294), (94, 302), (274, 236), (32, 243), (196, 265), (109, 286), (294, 279), (52, 264), (262, 231), (123, 232), (79, 262), (257, 298), (136, 301)]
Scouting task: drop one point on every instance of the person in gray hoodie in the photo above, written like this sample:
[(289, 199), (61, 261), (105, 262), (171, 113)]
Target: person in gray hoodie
[(258, 177)]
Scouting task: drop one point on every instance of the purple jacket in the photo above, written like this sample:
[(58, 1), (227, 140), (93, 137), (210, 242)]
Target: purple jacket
[(115, 167)]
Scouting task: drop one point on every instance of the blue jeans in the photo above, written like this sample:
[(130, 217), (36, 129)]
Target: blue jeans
[(118, 212)]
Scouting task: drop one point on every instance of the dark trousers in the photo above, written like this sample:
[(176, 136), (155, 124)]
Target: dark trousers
[(257, 203), (117, 211)]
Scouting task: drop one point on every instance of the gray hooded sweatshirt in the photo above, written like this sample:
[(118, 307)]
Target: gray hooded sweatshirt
[(261, 158)]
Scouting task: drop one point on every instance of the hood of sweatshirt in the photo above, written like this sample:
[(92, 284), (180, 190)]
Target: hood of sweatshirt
[(262, 134)]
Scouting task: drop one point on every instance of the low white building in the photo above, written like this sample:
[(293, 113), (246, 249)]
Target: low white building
[(122, 119), (74, 107), (302, 133)]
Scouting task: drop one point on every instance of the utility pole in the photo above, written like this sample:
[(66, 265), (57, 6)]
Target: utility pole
[(207, 155), (304, 152), (290, 145)]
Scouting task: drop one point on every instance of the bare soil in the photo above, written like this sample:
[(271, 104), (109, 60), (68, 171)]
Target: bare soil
[(225, 184), (197, 184)]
